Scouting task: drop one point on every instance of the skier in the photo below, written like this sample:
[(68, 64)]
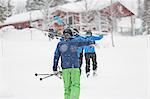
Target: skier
[(90, 53), (67, 50), (80, 49)]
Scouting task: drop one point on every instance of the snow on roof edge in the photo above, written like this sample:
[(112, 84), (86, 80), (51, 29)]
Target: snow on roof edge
[(75, 7)]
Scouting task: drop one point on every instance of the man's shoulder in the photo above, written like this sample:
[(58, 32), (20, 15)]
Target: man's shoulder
[(79, 38), (61, 41)]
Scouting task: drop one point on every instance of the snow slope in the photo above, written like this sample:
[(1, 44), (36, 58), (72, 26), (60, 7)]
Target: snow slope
[(122, 70)]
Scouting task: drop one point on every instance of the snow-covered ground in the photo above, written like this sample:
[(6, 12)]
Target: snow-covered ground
[(123, 71)]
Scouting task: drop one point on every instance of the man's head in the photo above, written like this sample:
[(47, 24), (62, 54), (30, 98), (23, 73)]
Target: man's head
[(67, 33)]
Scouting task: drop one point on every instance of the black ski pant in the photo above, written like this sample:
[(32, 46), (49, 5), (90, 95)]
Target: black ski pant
[(80, 61), (89, 56)]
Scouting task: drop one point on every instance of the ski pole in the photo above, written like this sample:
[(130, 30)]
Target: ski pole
[(50, 76), (36, 74), (47, 76)]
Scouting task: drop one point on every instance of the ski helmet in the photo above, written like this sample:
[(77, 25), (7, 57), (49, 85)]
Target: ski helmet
[(68, 31)]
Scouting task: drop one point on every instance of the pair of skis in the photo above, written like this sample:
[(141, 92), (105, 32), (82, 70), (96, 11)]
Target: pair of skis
[(59, 74)]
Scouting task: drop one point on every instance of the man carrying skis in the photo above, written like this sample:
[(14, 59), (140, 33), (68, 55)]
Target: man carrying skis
[(90, 53), (75, 34), (67, 50)]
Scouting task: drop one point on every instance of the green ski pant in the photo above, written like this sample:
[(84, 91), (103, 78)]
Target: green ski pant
[(71, 78)]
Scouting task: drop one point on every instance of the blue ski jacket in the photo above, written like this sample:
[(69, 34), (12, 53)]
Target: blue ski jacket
[(91, 49), (80, 38), (67, 50)]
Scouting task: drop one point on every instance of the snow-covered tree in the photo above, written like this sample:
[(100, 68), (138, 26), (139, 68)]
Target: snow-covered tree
[(33, 5), (5, 9), (146, 16), (140, 9), (9, 8), (78, 0), (2, 13), (40, 4), (74, 0)]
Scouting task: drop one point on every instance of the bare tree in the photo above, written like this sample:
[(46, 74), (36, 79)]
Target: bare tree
[(9, 8)]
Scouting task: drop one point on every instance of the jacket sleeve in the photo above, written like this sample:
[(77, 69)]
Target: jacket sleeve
[(85, 43), (94, 38), (56, 58)]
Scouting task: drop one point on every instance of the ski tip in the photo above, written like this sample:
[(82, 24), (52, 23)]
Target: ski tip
[(35, 74)]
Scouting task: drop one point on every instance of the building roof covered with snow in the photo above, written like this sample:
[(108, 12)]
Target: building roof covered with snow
[(34, 15)]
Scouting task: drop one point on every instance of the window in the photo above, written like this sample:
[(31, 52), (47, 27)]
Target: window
[(70, 20)]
